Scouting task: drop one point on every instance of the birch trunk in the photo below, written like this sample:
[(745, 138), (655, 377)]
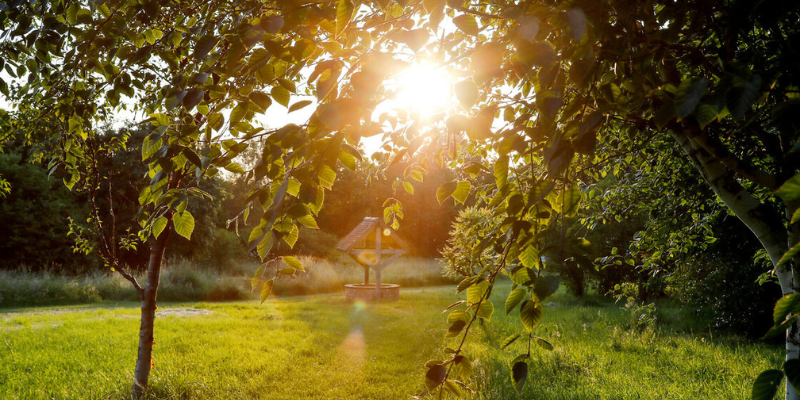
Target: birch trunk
[(144, 357)]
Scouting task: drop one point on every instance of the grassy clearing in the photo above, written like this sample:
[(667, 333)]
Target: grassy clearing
[(184, 281), (319, 347)]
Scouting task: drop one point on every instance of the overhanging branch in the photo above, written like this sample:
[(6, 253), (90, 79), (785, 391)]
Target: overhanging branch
[(716, 149)]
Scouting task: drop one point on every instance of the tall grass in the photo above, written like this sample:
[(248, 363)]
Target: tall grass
[(182, 280)]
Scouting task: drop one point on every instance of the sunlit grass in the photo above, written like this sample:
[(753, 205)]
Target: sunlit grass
[(319, 347)]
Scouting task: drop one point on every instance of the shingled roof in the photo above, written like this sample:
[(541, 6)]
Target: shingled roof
[(366, 227), (357, 233)]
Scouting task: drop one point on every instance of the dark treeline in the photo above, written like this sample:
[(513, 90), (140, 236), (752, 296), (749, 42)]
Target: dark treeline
[(41, 217)]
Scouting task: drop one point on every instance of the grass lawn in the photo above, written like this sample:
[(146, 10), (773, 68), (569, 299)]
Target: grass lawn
[(319, 347)]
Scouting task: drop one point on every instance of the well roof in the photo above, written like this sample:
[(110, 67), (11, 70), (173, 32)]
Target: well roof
[(361, 231)]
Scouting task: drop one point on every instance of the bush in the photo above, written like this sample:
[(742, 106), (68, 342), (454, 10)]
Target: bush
[(182, 280), (22, 288), (718, 286), (459, 252)]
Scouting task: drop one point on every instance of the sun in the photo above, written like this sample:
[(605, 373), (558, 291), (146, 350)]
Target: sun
[(424, 88)]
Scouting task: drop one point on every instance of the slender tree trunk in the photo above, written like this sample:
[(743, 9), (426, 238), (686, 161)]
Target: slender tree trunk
[(144, 357), (767, 225)]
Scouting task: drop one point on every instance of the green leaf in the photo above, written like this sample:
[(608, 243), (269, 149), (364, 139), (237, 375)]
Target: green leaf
[(792, 370), (519, 373), (463, 366), (327, 176), (72, 13), (464, 284), (780, 329), (291, 237), (466, 93), (192, 98), (742, 95), (529, 257), (514, 298), (308, 221), (511, 339), (544, 344), (281, 95), (458, 315), (184, 224), (266, 289), (159, 225), (445, 191), (790, 190), (435, 376), (688, 96), (455, 329), (260, 100), (664, 114), (766, 385), (453, 387), (477, 292), (414, 39), (795, 216), (568, 201), (546, 286), (435, 9), (293, 262), (786, 305), (530, 314), (521, 277), (706, 113), (265, 245), (467, 24), (235, 168), (272, 23), (215, 121), (344, 13), (789, 254), (174, 99), (203, 46), (461, 191), (577, 23), (501, 171), (299, 105), (238, 112), (484, 310)]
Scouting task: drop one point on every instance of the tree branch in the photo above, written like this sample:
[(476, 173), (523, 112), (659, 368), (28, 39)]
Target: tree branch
[(130, 279), (760, 218), (716, 149)]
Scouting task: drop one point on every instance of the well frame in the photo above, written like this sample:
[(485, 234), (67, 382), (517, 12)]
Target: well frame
[(373, 245)]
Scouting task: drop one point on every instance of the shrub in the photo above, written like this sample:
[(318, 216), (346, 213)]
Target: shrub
[(459, 253)]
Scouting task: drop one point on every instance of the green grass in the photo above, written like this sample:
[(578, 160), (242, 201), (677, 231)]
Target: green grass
[(319, 347)]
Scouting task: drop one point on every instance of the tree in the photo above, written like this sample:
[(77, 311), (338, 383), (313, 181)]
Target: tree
[(200, 72), (36, 215), (544, 85)]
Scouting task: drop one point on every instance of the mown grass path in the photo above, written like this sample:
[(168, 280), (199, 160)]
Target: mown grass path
[(320, 347)]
